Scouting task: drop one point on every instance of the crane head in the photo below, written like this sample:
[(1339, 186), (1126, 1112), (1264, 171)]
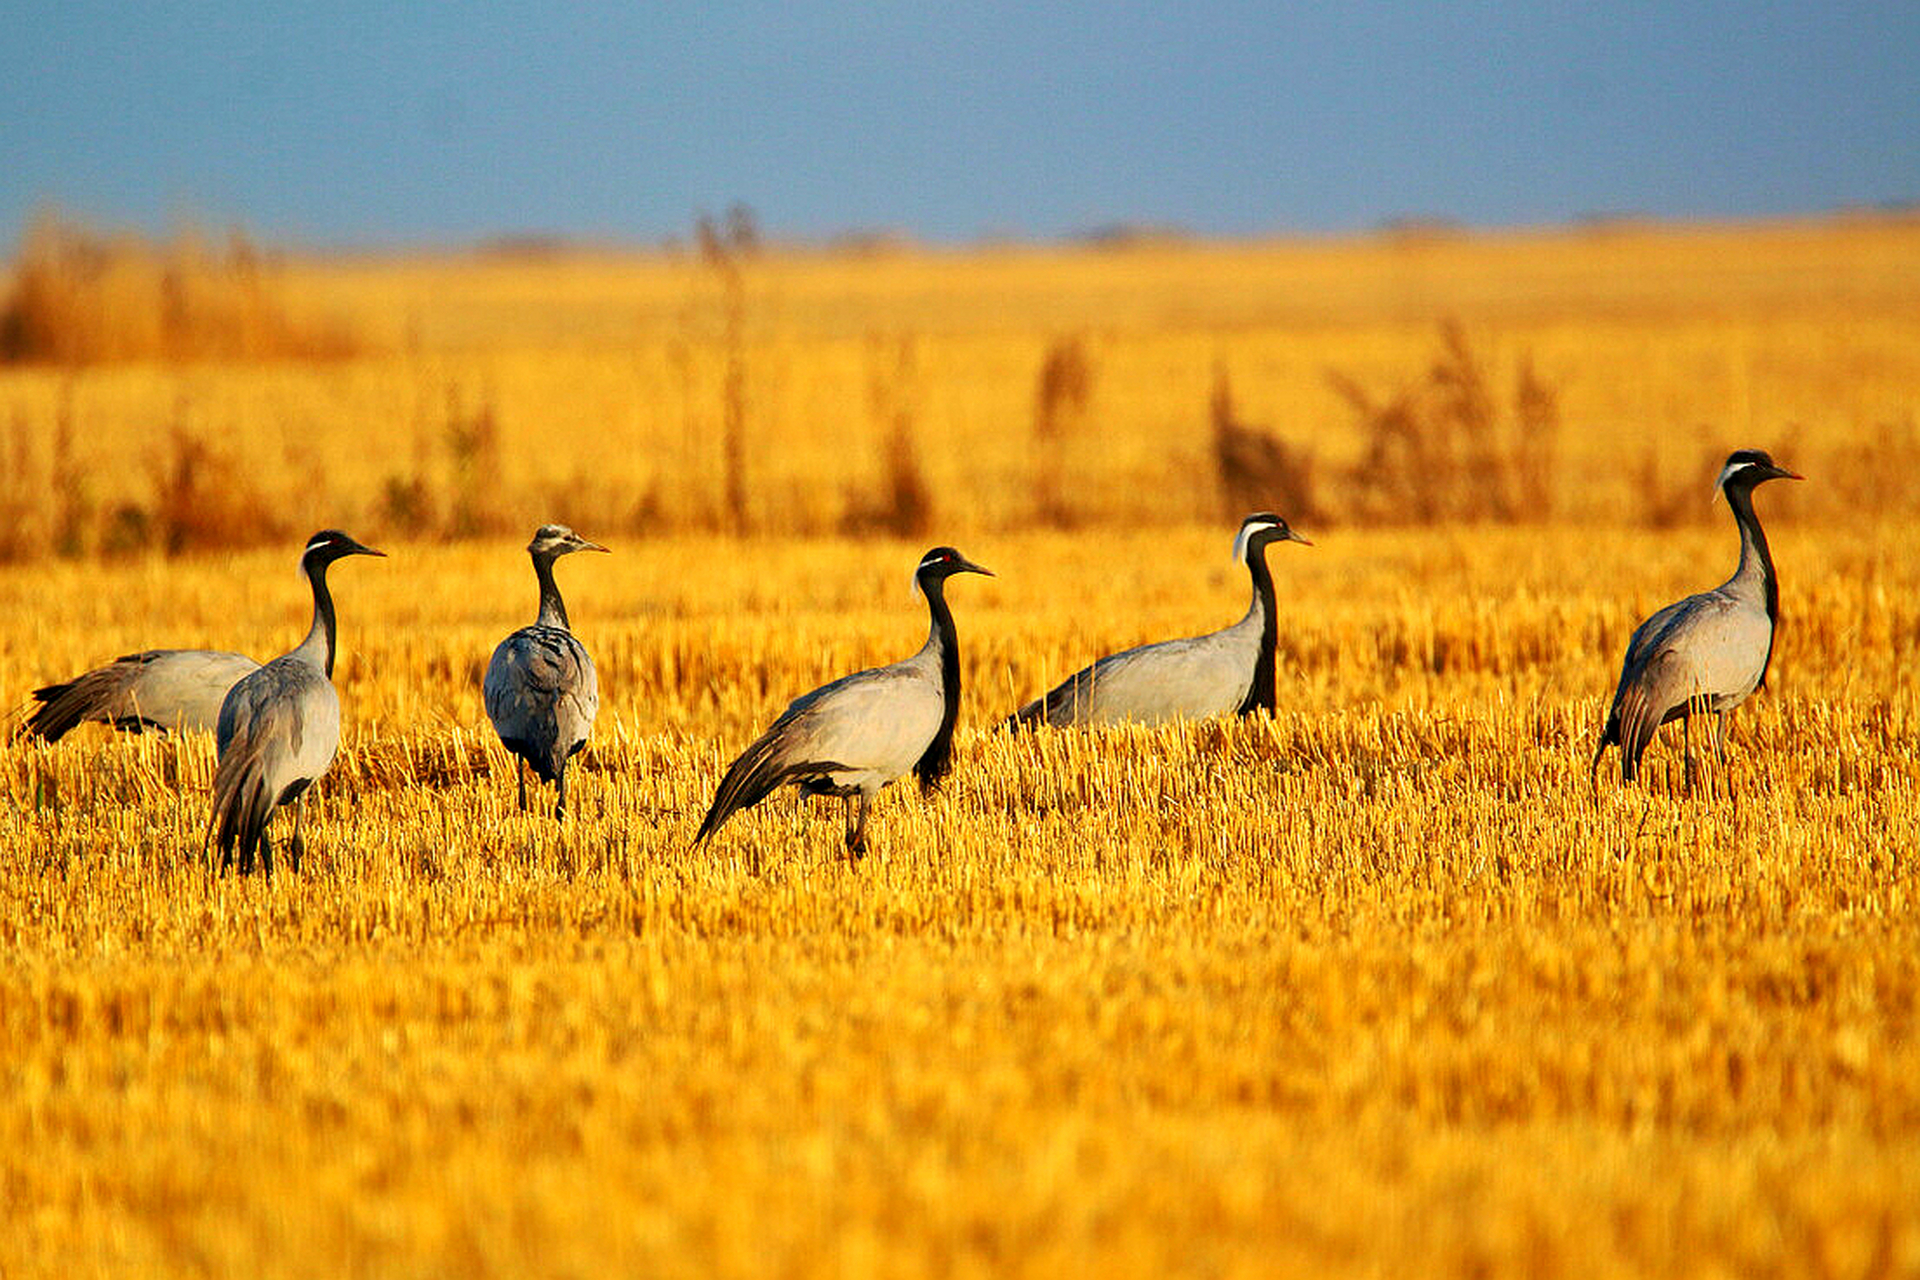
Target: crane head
[(942, 563), (329, 545), (1749, 467), (1260, 530), (553, 540)]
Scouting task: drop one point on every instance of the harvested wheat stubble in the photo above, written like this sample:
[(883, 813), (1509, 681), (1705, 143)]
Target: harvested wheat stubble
[(1373, 985)]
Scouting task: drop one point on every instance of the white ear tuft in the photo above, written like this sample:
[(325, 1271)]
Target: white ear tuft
[(913, 583), (1245, 536), (1726, 474)]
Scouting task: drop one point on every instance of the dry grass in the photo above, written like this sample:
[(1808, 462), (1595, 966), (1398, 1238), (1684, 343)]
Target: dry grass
[(1373, 986), (649, 394), (81, 297)]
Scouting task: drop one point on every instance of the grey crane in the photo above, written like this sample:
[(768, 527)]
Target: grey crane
[(166, 689), (541, 690), (1708, 652), (1211, 675), (854, 736), (280, 726)]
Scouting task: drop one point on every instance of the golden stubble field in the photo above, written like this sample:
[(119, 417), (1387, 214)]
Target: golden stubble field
[(1373, 986)]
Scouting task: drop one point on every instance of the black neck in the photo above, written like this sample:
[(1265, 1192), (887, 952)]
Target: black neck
[(553, 610), (323, 621), (1740, 498), (938, 757), (1754, 539), (1260, 694)]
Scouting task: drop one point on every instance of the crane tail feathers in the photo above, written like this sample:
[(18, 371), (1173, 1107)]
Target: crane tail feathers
[(91, 695), (1031, 716), (1609, 736), (1062, 705), (545, 760), (748, 781), (932, 768), (1639, 720), (241, 804)]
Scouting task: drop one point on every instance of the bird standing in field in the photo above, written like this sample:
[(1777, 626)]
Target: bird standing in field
[(1708, 652), (1210, 675), (280, 726), (541, 690), (854, 736), (167, 689)]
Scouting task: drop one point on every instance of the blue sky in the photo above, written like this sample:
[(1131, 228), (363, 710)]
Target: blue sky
[(443, 123)]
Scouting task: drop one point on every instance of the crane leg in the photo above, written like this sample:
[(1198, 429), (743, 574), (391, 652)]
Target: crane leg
[(857, 836), (560, 805), (1720, 744), (266, 853), (521, 769), (297, 848), (1686, 748)]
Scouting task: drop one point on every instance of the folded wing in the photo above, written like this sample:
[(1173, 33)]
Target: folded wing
[(170, 689)]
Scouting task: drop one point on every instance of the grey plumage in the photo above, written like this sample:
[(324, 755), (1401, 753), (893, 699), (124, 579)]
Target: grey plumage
[(279, 727), (1710, 651), (852, 737), (541, 690), (1228, 671), (167, 689)]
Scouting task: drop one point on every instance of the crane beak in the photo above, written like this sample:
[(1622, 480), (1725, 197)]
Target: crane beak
[(968, 566), (581, 544), (361, 549), (1790, 475), (1295, 537)]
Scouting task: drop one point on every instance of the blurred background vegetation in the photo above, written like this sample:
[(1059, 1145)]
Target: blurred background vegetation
[(203, 391)]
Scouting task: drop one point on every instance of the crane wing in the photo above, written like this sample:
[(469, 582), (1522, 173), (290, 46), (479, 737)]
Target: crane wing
[(542, 695), (171, 689), (1712, 646), (1153, 683), (278, 731), (871, 726)]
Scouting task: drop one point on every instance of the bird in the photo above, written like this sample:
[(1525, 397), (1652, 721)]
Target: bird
[(852, 737), (1211, 675), (1710, 651), (280, 726), (541, 690), (173, 690)]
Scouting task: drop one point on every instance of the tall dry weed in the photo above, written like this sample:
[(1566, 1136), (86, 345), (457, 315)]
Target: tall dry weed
[(82, 297), (1258, 470), (1874, 472), (203, 500), (1062, 390), (725, 247), (903, 506), (1443, 447), (475, 504)]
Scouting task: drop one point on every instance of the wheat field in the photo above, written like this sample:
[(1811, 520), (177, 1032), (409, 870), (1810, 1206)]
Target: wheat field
[(1377, 985), (487, 391)]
